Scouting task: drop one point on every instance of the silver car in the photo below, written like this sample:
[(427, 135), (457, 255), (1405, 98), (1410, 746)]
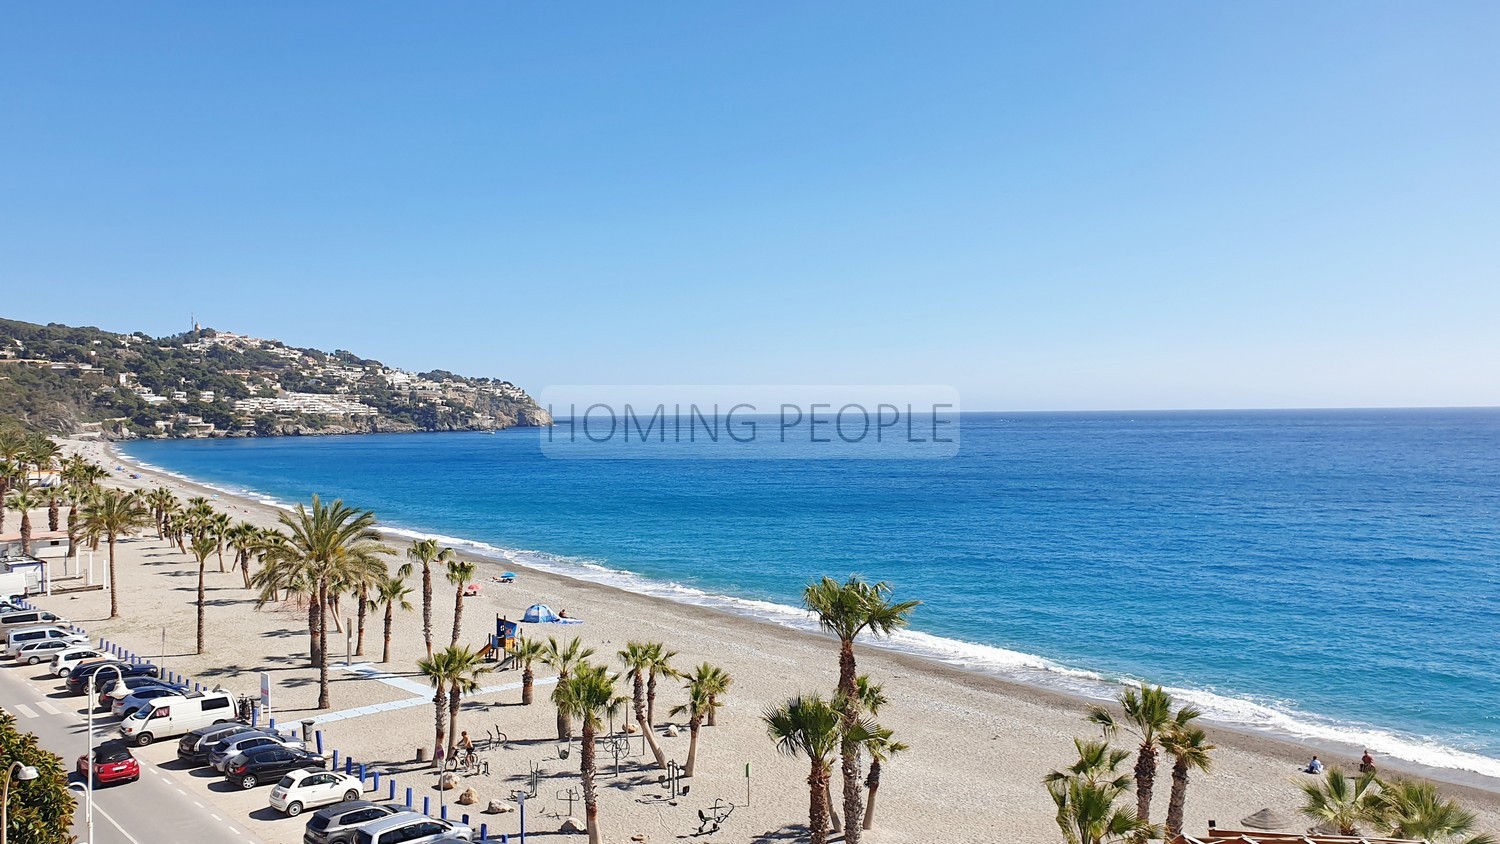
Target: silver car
[(226, 750), (411, 828)]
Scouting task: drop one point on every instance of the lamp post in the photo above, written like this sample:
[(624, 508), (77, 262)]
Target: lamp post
[(88, 750), (14, 772)]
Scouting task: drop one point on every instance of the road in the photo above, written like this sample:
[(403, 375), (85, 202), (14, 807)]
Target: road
[(156, 808)]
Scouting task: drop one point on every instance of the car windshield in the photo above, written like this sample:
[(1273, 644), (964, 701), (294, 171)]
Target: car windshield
[(287, 781), (364, 837), (318, 823)]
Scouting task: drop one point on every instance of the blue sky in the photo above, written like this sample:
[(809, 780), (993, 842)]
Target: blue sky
[(1046, 206)]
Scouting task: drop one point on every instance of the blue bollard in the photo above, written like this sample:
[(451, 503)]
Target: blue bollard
[(484, 831), (444, 811), (271, 725), (362, 775), (392, 796), (408, 798), (255, 717), (318, 737), (465, 818), (349, 764), (375, 786), (427, 805), (196, 687), (335, 759)]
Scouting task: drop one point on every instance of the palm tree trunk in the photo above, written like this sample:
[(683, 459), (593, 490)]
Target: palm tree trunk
[(245, 569), (1178, 801), (695, 723), (590, 793), (324, 701), (651, 699), (390, 611), (564, 721), (455, 701), (817, 803), (834, 823), (528, 685), (872, 785), (439, 698), (645, 724), (849, 764), (25, 531), (1145, 780), (221, 558), (52, 514), (364, 601), (713, 711), (114, 594), (427, 607), (201, 568), (314, 610), (458, 614)]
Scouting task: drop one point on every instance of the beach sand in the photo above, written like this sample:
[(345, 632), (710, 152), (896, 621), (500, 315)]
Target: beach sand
[(979, 746)]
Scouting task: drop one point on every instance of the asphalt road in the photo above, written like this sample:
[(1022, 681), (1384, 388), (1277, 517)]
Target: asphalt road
[(154, 809)]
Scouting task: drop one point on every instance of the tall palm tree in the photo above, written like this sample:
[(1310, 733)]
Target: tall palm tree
[(12, 446), (809, 726), (661, 668), (329, 543), (114, 514), (390, 592), (847, 610), (23, 499), (564, 659), (1342, 802), (218, 526), (467, 667), (82, 478), (638, 659), (242, 538), (1189, 748), (1148, 714), (1085, 795), (161, 500), (41, 453), (588, 694), (426, 552), (881, 746), (528, 652), (460, 573), (700, 686), (439, 671), (717, 682), (1415, 810), (202, 546)]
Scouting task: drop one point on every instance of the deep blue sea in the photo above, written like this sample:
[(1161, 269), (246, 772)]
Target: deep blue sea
[(1332, 575)]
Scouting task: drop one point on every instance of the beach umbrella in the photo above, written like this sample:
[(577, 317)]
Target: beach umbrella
[(1267, 819), (509, 574)]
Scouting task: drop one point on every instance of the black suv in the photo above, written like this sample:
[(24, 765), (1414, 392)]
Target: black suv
[(135, 684), (89, 672), (270, 764), (336, 824)]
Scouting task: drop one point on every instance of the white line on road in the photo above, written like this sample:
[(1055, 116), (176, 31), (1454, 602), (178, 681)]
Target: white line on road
[(233, 830), (106, 816), (196, 803), (25, 710), (47, 708)]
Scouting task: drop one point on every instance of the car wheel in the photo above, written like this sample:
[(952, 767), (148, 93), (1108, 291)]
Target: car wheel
[(63, 672), (143, 739), (351, 794), (221, 721), (247, 781), (293, 809), (34, 660)]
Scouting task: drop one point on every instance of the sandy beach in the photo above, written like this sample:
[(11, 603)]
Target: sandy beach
[(979, 746)]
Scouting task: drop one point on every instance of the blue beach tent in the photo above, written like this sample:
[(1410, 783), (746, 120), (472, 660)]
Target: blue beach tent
[(543, 614)]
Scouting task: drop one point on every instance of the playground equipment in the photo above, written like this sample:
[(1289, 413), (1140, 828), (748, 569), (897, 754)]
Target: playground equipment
[(710, 819)]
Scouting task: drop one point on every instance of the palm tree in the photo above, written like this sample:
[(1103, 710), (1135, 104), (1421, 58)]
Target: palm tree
[(426, 552), (1339, 801), (161, 501), (459, 574), (1148, 714), (661, 667), (82, 478), (1085, 795), (218, 526), (1189, 748), (563, 659), (111, 515), (588, 694), (202, 546), (438, 669), (717, 682), (12, 446), (466, 669), (390, 592), (41, 453), (1415, 810), (638, 658), (23, 499), (846, 610), (700, 686), (881, 746), (331, 543), (809, 726), (528, 652), (242, 538)]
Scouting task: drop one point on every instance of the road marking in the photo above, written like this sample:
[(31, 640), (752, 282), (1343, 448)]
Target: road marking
[(233, 830), (25, 710), (106, 816), (47, 708), (196, 803), (215, 817)]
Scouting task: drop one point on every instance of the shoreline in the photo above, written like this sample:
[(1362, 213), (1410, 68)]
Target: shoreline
[(1294, 748)]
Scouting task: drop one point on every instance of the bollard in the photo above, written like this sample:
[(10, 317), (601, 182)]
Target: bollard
[(392, 797), (318, 736), (408, 797), (443, 811), (427, 805), (362, 774), (349, 764), (375, 786), (335, 759), (271, 725), (465, 818), (196, 687), (484, 832)]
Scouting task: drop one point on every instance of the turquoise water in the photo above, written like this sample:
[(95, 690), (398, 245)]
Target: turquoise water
[(1325, 574)]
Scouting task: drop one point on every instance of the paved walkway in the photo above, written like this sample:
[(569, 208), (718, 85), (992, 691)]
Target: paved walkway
[(370, 672)]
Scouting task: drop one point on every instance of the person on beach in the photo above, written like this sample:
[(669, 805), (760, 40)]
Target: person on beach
[(1367, 763), (465, 743), (1314, 767), (563, 614)]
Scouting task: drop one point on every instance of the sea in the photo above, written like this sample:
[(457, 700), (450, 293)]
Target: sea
[(1320, 575)]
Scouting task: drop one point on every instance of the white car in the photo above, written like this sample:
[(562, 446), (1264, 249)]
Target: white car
[(33, 653), (305, 789), (64, 662)]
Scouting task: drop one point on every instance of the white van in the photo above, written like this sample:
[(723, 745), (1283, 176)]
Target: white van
[(15, 638), (30, 618), (176, 715)]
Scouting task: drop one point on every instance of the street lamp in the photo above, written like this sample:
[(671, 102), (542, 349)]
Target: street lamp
[(16, 771), (88, 748)]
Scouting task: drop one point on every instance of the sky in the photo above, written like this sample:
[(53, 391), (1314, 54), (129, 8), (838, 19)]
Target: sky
[(1043, 206)]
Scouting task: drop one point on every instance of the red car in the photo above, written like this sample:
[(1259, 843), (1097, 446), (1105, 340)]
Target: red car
[(113, 762)]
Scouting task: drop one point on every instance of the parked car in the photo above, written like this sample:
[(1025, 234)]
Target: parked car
[(242, 744), (138, 697), (43, 649), (134, 684), (337, 824), (91, 674), (195, 746), (177, 714), (112, 762), (63, 663), (411, 828), (270, 764), (299, 790), (16, 637), (31, 618)]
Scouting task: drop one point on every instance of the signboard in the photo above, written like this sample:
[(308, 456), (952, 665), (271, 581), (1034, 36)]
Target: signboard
[(265, 695)]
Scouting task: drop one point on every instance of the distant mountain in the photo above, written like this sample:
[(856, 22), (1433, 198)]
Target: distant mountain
[(216, 383)]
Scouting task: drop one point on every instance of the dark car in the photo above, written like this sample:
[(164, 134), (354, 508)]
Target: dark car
[(112, 762), (91, 673), (135, 684), (336, 824), (194, 747), (269, 764)]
